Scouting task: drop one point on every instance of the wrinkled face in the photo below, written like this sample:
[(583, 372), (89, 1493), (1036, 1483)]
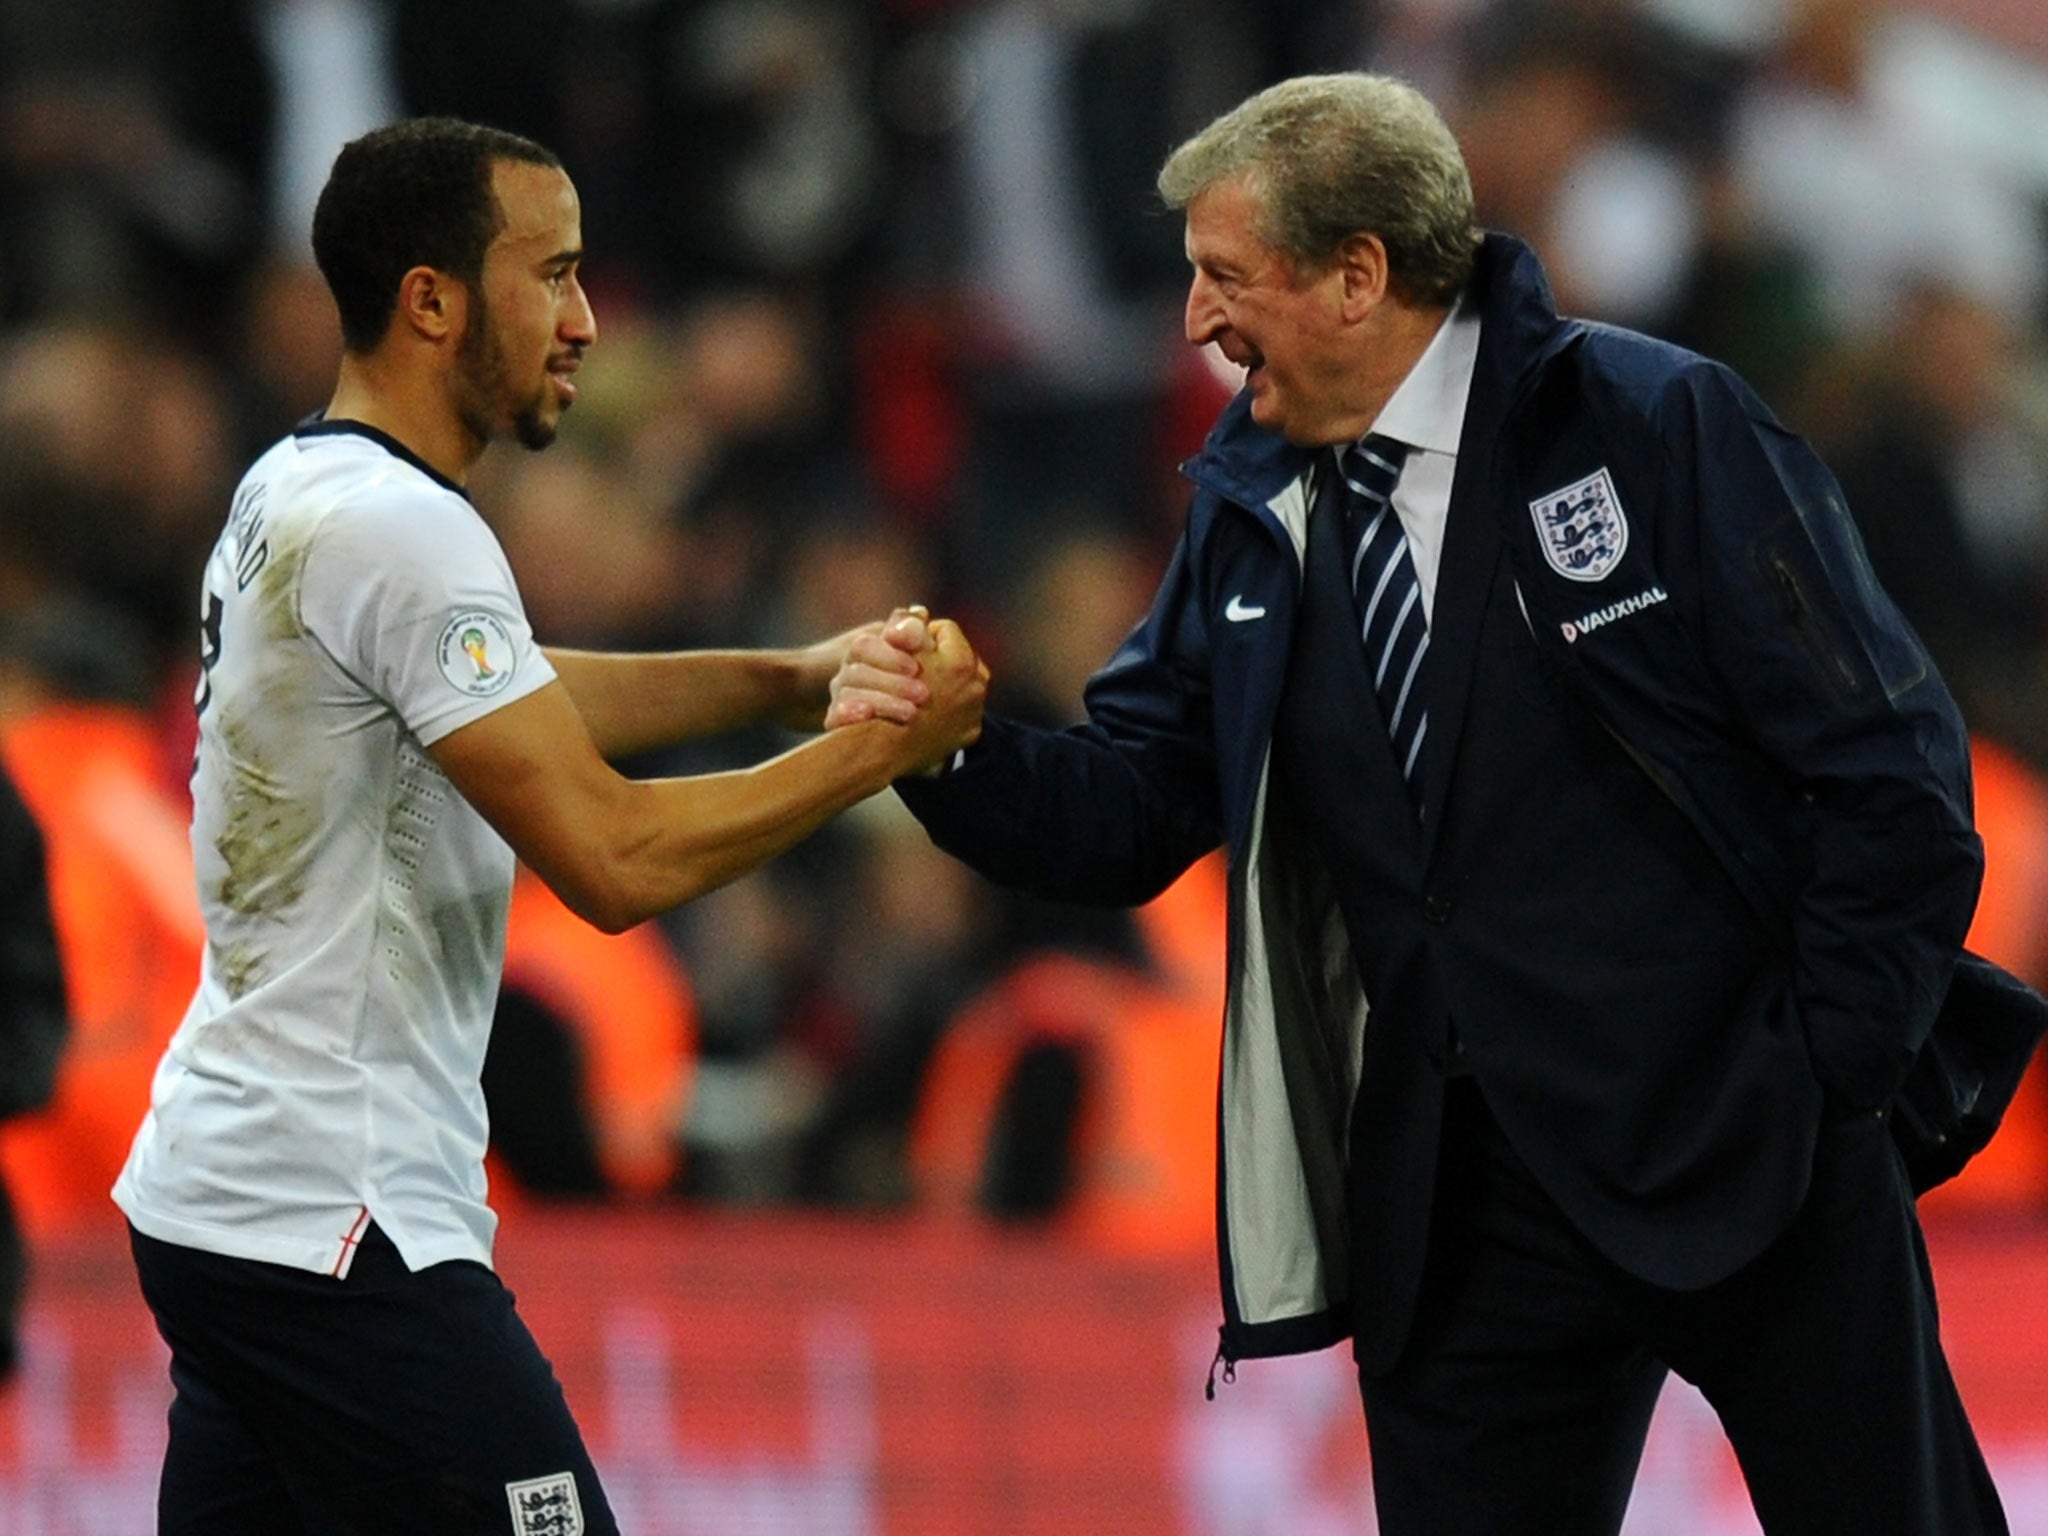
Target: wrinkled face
[(526, 338), (1280, 323)]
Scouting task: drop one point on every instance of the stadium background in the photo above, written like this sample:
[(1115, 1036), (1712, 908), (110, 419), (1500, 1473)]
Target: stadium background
[(860, 1197)]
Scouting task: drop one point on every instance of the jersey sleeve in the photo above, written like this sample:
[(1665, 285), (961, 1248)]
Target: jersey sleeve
[(412, 596)]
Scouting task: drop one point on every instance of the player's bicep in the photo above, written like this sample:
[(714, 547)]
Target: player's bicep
[(531, 770)]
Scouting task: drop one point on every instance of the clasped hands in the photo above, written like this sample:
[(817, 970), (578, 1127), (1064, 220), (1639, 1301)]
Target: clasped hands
[(917, 672)]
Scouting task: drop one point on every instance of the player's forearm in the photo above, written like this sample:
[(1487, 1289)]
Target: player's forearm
[(669, 841), (639, 703), (617, 851)]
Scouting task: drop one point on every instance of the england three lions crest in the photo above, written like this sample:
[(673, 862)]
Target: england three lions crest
[(546, 1506), (1581, 527)]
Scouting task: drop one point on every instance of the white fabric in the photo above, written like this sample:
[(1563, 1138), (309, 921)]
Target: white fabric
[(1427, 412), (328, 1070)]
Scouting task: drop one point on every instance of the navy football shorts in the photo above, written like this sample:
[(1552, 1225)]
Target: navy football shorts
[(389, 1402)]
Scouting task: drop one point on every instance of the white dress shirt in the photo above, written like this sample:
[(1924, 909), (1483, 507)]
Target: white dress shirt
[(1427, 412)]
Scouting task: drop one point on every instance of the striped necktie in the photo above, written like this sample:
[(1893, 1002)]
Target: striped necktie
[(1388, 596)]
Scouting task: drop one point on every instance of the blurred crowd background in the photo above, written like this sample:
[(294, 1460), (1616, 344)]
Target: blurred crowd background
[(889, 312)]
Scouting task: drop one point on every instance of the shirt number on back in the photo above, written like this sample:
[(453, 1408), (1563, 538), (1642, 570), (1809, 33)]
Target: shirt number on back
[(209, 650)]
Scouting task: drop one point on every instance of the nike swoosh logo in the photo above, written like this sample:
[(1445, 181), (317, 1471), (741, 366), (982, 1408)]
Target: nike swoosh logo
[(1238, 612)]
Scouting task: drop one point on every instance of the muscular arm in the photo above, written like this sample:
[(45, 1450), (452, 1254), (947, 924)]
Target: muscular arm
[(617, 850), (638, 703)]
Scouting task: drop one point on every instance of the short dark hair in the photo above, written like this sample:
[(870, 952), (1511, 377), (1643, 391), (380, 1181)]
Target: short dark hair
[(412, 194)]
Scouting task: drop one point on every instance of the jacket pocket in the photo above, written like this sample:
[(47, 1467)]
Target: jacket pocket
[(1824, 645)]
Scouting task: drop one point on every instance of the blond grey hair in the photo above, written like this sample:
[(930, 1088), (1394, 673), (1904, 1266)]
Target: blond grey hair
[(1331, 156)]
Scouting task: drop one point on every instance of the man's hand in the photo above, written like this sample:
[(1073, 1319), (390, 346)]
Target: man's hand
[(917, 672), (882, 677), (957, 686), (817, 668)]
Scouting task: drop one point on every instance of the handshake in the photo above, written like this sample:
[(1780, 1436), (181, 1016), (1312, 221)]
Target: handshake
[(918, 673)]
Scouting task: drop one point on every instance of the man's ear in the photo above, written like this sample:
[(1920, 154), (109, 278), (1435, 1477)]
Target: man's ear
[(432, 304), (1362, 262)]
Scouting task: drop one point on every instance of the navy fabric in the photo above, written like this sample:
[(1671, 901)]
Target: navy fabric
[(1656, 987), (1547, 1359), (390, 1402)]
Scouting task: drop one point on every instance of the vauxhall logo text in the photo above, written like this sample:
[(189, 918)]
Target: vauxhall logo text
[(1649, 597)]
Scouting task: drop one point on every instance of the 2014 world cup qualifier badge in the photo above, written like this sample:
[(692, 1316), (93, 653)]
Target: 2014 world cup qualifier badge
[(1581, 527), (546, 1506), (477, 655)]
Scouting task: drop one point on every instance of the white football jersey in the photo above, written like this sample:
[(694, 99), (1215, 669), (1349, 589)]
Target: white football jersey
[(328, 1073)]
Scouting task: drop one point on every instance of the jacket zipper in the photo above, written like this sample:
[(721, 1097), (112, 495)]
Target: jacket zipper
[(1800, 614), (1224, 1362)]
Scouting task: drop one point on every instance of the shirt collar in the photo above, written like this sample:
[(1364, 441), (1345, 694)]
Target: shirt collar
[(1427, 411)]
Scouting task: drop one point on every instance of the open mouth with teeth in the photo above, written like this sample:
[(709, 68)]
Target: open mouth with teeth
[(1230, 372)]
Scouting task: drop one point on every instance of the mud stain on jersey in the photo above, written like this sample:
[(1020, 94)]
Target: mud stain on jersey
[(278, 593), (270, 808), (469, 938), (238, 968), (264, 830)]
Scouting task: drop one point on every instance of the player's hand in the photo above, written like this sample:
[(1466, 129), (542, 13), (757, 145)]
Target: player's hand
[(881, 677), (951, 718)]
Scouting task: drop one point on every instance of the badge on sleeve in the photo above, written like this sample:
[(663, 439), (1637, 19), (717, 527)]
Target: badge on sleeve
[(476, 654), (1581, 528)]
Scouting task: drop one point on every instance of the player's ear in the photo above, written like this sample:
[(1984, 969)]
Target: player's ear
[(432, 304)]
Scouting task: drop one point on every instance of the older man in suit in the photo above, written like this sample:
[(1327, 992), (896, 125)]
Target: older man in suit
[(1536, 681)]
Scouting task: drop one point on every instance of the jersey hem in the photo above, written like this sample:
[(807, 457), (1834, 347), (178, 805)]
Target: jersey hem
[(291, 1252)]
